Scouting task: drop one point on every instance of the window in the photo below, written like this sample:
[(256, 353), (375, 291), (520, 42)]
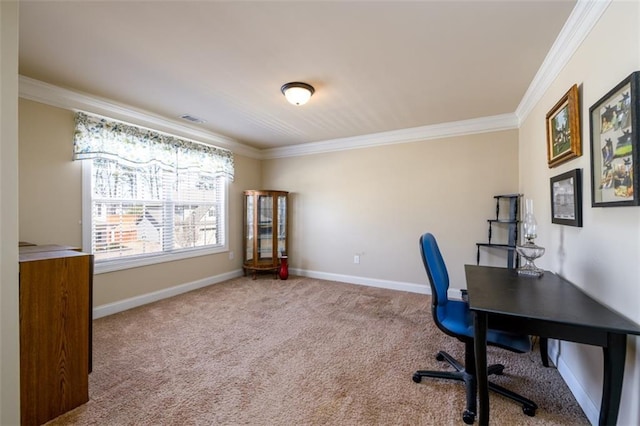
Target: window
[(149, 197)]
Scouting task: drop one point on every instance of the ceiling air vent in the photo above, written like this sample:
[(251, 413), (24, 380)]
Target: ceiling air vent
[(192, 118)]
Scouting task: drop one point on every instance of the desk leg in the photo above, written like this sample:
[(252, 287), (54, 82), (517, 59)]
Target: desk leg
[(480, 349), (544, 351), (614, 355)]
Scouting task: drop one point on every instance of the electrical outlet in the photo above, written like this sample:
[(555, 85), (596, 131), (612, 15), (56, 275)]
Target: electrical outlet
[(230, 255), (356, 259)]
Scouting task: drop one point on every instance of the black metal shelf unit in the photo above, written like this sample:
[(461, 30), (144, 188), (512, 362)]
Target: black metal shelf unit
[(511, 221)]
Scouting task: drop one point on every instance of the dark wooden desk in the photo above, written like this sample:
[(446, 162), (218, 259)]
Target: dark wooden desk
[(552, 307)]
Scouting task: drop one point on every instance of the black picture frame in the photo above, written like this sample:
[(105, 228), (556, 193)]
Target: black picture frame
[(614, 126), (566, 198)]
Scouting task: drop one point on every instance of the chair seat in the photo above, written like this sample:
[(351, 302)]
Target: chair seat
[(459, 320)]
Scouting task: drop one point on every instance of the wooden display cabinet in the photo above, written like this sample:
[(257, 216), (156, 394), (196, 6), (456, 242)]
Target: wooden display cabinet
[(265, 230)]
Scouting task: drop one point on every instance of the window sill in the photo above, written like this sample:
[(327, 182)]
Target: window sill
[(112, 265)]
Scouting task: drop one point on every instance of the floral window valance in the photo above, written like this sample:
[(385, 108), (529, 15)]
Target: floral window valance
[(97, 137)]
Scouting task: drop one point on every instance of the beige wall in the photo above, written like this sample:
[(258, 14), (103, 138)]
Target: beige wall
[(9, 341), (50, 183), (376, 202), (50, 193), (602, 256), (373, 202)]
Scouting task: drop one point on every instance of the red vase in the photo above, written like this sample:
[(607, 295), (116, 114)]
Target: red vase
[(283, 272)]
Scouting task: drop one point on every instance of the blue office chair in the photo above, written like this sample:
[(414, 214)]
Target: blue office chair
[(454, 318)]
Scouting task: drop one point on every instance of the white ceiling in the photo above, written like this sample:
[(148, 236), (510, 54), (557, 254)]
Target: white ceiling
[(377, 66)]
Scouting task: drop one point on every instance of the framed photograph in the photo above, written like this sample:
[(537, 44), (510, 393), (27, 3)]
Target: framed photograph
[(566, 198), (563, 129), (614, 145)]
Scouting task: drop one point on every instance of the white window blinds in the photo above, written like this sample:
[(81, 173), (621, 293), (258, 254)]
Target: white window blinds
[(151, 193)]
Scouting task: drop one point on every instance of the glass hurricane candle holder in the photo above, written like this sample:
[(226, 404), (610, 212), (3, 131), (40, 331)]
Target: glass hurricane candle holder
[(529, 250)]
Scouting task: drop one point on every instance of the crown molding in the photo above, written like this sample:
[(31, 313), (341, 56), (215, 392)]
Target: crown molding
[(581, 21), (414, 134), (49, 94)]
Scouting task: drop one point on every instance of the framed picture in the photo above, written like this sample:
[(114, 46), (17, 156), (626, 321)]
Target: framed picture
[(566, 198), (563, 129), (614, 145)]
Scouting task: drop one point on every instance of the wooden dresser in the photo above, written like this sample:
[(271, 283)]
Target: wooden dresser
[(55, 331)]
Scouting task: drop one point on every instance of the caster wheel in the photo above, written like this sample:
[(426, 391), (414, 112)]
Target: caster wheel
[(468, 417), (529, 411), (439, 357), (499, 371), (417, 378)]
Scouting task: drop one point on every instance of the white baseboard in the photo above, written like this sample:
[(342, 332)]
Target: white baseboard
[(372, 282), (591, 410), (123, 305)]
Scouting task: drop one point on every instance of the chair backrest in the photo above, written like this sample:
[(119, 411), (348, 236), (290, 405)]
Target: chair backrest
[(453, 312), (436, 269)]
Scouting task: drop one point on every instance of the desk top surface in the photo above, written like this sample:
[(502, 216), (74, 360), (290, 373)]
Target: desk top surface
[(547, 298)]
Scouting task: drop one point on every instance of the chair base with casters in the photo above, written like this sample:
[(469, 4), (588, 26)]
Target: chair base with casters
[(468, 376)]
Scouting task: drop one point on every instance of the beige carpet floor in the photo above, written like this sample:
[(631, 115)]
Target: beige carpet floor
[(294, 352)]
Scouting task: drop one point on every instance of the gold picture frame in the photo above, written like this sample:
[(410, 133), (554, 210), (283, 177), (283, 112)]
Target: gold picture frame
[(563, 129)]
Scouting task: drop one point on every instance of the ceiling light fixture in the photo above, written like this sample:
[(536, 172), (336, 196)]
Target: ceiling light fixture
[(297, 93)]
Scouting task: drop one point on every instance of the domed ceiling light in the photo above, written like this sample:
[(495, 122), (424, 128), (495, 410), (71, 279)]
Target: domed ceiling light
[(297, 93)]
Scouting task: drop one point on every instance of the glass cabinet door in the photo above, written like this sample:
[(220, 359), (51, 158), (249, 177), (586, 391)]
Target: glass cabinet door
[(265, 227), (248, 228), (282, 225)]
